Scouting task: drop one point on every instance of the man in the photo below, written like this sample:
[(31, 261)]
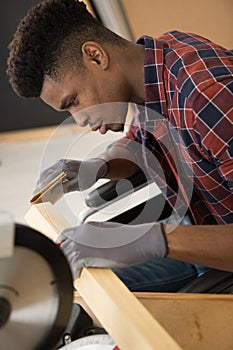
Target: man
[(181, 85)]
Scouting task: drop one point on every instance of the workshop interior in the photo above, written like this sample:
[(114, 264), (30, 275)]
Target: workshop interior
[(38, 310)]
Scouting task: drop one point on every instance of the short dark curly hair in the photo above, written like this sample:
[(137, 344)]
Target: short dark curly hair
[(50, 35)]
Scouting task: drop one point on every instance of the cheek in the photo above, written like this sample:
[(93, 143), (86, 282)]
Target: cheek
[(104, 91), (92, 94), (116, 93), (100, 92)]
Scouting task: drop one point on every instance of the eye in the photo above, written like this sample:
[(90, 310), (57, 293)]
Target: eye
[(73, 102)]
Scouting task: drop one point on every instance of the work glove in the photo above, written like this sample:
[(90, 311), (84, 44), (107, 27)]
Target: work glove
[(112, 245), (80, 175)]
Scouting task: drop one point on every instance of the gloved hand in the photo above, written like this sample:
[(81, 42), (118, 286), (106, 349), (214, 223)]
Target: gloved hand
[(80, 174), (112, 245)]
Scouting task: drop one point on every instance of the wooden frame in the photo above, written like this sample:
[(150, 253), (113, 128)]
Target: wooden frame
[(194, 321), (123, 316), (145, 321)]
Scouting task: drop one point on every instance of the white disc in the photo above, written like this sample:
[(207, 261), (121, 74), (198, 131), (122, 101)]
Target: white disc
[(92, 342)]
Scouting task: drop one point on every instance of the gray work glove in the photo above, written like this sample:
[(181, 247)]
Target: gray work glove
[(80, 174), (112, 245)]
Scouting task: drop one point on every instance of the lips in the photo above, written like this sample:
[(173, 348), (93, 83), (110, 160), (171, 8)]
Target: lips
[(99, 126), (96, 124), (96, 127)]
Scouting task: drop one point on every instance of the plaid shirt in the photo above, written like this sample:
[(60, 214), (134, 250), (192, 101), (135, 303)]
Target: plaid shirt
[(187, 124)]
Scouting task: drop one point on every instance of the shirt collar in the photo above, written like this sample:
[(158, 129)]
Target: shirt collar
[(153, 77)]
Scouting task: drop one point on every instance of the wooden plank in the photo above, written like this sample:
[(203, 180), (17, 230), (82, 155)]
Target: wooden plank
[(45, 218), (121, 313), (46, 193), (182, 296), (195, 321)]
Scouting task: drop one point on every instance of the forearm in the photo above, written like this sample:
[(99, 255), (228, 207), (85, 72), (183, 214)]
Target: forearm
[(204, 245), (122, 163)]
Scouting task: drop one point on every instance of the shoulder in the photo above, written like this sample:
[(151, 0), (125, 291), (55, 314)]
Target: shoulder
[(191, 55)]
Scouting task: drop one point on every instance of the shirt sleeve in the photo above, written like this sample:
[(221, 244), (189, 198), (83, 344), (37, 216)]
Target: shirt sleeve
[(214, 124)]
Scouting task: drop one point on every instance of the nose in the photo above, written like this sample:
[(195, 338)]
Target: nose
[(81, 119)]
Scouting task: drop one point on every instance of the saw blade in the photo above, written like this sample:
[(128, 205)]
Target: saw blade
[(31, 297)]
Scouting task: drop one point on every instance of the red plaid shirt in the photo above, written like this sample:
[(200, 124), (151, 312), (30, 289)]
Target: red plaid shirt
[(189, 101)]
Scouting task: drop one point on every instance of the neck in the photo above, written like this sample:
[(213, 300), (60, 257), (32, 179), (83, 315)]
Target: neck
[(130, 63), (136, 70)]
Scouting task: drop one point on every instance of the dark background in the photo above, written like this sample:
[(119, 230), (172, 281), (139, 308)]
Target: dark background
[(18, 113)]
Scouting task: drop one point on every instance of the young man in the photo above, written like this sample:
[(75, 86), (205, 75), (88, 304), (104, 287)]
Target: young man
[(182, 134)]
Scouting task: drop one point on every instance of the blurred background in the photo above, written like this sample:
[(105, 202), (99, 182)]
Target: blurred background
[(129, 18)]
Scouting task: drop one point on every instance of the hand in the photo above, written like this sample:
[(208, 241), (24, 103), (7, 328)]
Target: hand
[(80, 174), (112, 245)]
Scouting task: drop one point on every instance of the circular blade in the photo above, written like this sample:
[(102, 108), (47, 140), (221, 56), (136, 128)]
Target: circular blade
[(35, 305)]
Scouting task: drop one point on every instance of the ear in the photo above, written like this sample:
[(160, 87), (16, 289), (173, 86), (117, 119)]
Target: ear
[(95, 54)]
